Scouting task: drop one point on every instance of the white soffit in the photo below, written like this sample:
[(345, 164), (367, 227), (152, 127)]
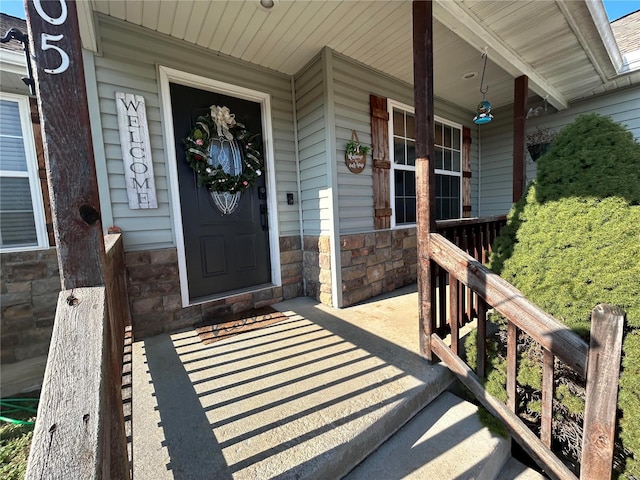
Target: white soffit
[(532, 38)]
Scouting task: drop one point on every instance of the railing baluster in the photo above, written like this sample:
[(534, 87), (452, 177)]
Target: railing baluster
[(462, 320), (481, 338), (483, 242), (477, 242), (512, 365), (435, 269), (442, 300), (453, 312), (546, 428)]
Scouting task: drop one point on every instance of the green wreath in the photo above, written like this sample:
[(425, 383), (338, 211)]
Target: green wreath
[(216, 125)]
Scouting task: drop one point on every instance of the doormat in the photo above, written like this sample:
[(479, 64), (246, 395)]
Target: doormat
[(239, 323)]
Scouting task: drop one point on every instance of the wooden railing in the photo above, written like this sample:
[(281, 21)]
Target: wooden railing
[(80, 429), (475, 236), (598, 364)]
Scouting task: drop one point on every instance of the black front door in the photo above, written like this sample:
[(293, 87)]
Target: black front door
[(224, 252)]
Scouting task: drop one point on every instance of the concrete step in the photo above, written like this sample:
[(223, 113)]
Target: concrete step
[(22, 377), (514, 470), (307, 398), (445, 441)]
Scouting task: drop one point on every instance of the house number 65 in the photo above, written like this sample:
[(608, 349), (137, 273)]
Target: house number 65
[(47, 39)]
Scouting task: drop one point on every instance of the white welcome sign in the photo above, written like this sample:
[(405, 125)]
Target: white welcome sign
[(136, 150)]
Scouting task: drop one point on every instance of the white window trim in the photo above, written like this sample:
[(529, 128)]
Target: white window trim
[(391, 104), (32, 172)]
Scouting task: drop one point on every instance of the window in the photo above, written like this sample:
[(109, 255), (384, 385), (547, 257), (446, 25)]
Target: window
[(448, 165), (22, 225)]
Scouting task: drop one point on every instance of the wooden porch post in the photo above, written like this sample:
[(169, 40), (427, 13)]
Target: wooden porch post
[(62, 100), (520, 95), (425, 176), (58, 69)]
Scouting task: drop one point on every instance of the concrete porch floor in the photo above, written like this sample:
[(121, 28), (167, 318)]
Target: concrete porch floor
[(308, 397)]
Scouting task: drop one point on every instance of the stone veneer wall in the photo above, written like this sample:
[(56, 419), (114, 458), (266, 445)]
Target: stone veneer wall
[(377, 262), (317, 267), (154, 290), (29, 287)]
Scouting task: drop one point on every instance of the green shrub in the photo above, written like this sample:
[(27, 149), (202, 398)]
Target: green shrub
[(573, 242), (15, 442)]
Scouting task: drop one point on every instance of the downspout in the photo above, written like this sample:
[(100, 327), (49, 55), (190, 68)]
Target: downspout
[(297, 157)]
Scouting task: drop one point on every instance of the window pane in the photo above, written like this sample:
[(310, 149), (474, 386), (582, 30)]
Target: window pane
[(398, 151), (10, 118), (15, 193), (447, 197), (410, 210), (398, 123), (445, 215), (411, 127), (439, 160), (447, 160), (411, 153), (456, 139), (456, 161), (400, 217), (405, 196), (455, 187), (12, 156), (448, 131), (17, 226), (399, 183), (438, 134), (454, 208), (410, 184)]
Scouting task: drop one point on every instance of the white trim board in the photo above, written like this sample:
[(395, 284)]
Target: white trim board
[(167, 75)]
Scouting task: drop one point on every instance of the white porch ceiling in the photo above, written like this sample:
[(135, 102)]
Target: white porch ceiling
[(538, 38)]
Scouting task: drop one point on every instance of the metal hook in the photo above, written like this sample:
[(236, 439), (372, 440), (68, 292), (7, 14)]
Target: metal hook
[(484, 68)]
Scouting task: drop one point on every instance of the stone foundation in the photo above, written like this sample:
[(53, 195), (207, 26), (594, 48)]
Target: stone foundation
[(317, 267), (154, 290), (377, 262), (29, 287)]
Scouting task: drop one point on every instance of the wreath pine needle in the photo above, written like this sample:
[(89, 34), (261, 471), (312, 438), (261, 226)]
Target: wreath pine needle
[(221, 123)]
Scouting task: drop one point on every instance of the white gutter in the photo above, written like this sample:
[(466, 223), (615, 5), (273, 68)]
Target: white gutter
[(601, 21), (13, 62)]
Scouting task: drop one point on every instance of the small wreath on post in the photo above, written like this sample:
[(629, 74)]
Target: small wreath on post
[(221, 125)]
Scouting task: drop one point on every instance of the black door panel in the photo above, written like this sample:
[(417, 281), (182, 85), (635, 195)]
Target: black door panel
[(223, 252)]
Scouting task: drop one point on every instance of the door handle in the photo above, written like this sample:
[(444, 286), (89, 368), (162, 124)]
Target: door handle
[(263, 217)]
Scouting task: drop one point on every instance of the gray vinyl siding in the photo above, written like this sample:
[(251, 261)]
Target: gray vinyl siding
[(310, 109), (128, 62), (353, 83), (496, 164), (622, 106)]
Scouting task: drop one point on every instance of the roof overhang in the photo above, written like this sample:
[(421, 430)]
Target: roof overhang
[(569, 52)]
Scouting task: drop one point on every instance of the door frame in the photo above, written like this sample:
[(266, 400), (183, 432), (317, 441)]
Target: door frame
[(169, 75)]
